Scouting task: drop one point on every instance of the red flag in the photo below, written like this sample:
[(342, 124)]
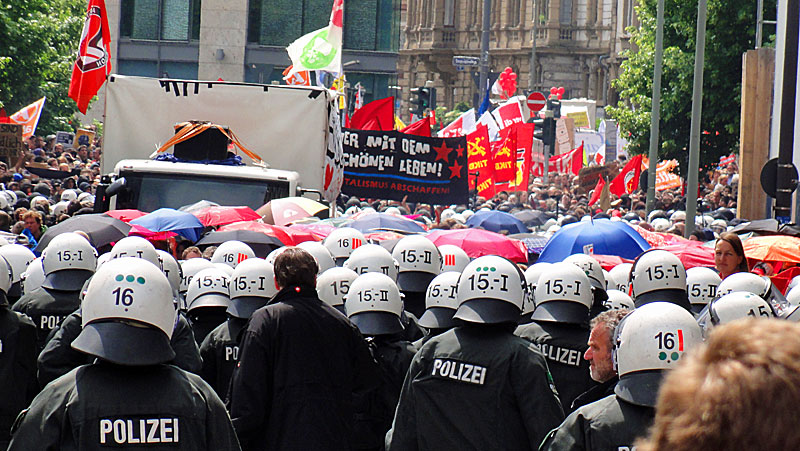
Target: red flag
[(567, 163), (94, 56), (597, 190), (420, 128), (628, 179), (376, 115), (504, 154), (524, 140), (28, 117), (479, 161)]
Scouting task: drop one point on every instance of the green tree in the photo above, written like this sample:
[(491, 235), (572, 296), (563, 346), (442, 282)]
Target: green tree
[(730, 31), (39, 46)]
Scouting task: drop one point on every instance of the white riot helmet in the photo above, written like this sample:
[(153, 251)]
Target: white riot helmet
[(491, 290), (232, 253), (19, 257), (191, 267), (270, 258), (136, 246), (68, 261), (102, 259), (171, 269), (563, 295), (618, 300), (652, 338), (374, 305), (701, 285), (333, 285), (736, 305), (532, 275), (441, 301), (793, 296), (252, 286), (761, 287), (320, 254), (419, 260), (209, 288), (69, 195), (342, 242), (128, 290), (591, 267), (33, 277), (619, 276), (453, 258), (372, 258), (6, 278), (60, 208), (607, 279), (793, 283), (40, 200), (11, 196), (658, 276), (678, 216), (224, 268), (719, 225), (660, 224)]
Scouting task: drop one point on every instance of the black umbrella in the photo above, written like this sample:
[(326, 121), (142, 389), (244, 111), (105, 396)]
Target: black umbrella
[(531, 218), (761, 226), (102, 229), (261, 244)]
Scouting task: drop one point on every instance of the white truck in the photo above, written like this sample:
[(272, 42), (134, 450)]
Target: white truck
[(294, 129)]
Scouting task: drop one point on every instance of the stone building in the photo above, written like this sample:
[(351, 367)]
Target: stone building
[(578, 45)]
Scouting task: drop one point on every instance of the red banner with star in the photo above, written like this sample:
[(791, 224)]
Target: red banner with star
[(392, 165)]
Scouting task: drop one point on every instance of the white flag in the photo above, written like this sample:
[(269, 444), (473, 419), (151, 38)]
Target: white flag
[(320, 50)]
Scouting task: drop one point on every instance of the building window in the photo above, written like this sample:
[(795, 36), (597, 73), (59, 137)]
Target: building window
[(368, 24), (165, 20), (565, 15), (541, 11), (514, 12), (449, 13), (627, 20)]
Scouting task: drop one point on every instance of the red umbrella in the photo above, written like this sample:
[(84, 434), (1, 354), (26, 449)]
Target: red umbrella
[(691, 255), (287, 235), (321, 231), (214, 216), (384, 236), (125, 215), (479, 242), (658, 239), (610, 261), (137, 230)]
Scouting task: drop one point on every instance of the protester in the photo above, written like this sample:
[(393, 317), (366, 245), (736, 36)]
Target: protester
[(729, 255)]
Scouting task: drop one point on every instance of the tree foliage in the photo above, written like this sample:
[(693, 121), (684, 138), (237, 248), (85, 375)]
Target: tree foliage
[(39, 46), (730, 31)]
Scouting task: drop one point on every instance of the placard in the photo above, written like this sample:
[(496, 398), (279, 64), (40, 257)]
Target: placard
[(10, 143)]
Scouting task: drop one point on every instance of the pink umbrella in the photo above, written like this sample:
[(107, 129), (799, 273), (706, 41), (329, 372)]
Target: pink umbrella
[(125, 215), (384, 236), (479, 242), (214, 216), (137, 230), (287, 235), (691, 255), (321, 231)]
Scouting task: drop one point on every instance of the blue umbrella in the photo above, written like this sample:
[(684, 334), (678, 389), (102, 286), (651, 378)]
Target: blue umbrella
[(496, 221), (385, 221), (169, 220), (598, 236)]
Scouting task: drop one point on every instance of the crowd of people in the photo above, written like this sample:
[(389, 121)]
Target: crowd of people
[(347, 344)]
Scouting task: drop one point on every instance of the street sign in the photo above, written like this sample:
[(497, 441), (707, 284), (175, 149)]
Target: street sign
[(536, 101), (769, 178), (466, 61)]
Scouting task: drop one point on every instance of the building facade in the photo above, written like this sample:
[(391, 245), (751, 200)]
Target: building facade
[(245, 40), (578, 45)]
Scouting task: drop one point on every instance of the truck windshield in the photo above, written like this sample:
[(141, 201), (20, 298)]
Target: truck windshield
[(149, 191)]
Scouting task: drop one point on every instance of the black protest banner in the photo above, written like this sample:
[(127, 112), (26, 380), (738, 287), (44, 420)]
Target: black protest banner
[(392, 165)]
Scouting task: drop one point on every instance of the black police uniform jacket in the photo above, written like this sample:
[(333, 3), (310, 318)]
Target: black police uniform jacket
[(300, 363), (47, 308), (58, 358), (17, 367), (608, 424), (563, 345), (475, 387), (105, 406), (220, 353)]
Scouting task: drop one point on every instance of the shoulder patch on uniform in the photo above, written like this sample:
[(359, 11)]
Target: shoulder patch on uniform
[(459, 371)]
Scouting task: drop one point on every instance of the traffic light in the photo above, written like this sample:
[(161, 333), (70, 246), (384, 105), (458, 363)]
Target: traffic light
[(542, 129), (422, 98), (554, 105)]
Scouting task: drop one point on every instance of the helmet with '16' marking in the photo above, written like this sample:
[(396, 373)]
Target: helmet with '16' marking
[(563, 295), (68, 261), (652, 338), (374, 305), (658, 276), (619, 277), (232, 253), (441, 301), (333, 285), (128, 317), (190, 268), (491, 290), (342, 242)]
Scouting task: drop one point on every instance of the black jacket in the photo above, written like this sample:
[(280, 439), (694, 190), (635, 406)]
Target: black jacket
[(300, 363), (596, 393), (220, 353), (47, 308), (17, 367)]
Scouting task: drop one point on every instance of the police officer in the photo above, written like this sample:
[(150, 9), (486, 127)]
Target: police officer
[(619, 277), (701, 286), (300, 362), (342, 242), (208, 299), (19, 257), (649, 341), (763, 288), (68, 261), (232, 253), (532, 274), (619, 300), (453, 258), (658, 276), (478, 384), (334, 284), (732, 306), (252, 285), (441, 303), (33, 277), (373, 304), (597, 278), (560, 327), (320, 253), (128, 397), (17, 358), (420, 261), (189, 268)]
